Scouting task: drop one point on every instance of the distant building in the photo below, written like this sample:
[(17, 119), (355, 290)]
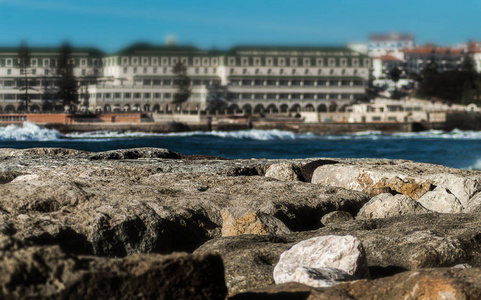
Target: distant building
[(382, 65), (247, 78), (389, 44), (446, 59)]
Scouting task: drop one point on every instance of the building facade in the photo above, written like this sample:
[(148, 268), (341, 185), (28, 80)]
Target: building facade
[(446, 59), (245, 79), (389, 44)]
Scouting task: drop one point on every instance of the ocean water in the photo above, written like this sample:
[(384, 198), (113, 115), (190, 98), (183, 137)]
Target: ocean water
[(459, 149)]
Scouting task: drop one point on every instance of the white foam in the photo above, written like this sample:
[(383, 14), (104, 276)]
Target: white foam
[(241, 134), (28, 132)]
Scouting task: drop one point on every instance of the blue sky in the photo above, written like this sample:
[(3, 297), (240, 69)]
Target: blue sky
[(113, 24)]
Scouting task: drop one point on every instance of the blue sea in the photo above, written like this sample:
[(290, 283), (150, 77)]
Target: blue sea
[(459, 149)]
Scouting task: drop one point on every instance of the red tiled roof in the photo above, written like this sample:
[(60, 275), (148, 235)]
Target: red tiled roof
[(389, 57)]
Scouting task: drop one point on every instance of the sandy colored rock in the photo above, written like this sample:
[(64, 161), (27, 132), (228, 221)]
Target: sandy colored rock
[(239, 220), (283, 172), (386, 205)]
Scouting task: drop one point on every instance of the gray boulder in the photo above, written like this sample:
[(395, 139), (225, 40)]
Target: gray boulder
[(344, 253), (386, 205), (442, 201)]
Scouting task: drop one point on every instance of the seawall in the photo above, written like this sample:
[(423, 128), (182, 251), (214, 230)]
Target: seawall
[(320, 128)]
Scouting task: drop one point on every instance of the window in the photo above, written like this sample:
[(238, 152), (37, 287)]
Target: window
[(146, 95), (257, 61), (46, 62), (46, 71), (33, 62), (165, 61), (155, 61), (205, 61), (231, 71), (269, 61), (319, 72), (306, 71), (83, 72), (196, 61), (154, 70), (206, 70), (367, 62), (184, 61), (145, 70), (293, 71), (9, 71), (269, 71), (343, 62), (135, 69), (244, 71), (9, 62), (307, 62), (127, 95), (257, 71), (281, 61), (174, 60), (332, 62), (319, 62), (245, 61), (145, 61), (355, 62), (281, 71), (135, 61), (214, 61), (293, 62), (125, 61), (196, 70), (136, 95), (231, 61)]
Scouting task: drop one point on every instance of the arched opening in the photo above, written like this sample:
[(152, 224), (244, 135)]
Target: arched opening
[(272, 109), (343, 108), (309, 107), (284, 108), (107, 108), (126, 107), (247, 108), (136, 107), (322, 108), (234, 108), (146, 107), (332, 107), (295, 108), (20, 108), (34, 108), (156, 108), (117, 108), (259, 109), (9, 108)]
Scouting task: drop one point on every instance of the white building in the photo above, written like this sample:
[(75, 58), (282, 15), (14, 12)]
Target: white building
[(389, 44), (446, 59), (247, 78)]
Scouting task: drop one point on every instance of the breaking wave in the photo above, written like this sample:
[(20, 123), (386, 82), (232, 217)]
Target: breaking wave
[(28, 132)]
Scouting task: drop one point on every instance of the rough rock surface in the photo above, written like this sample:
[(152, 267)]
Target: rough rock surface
[(47, 272), (420, 284), (317, 277), (124, 202), (386, 205), (441, 200), (236, 221), (283, 171), (345, 253), (400, 176), (336, 217), (392, 245)]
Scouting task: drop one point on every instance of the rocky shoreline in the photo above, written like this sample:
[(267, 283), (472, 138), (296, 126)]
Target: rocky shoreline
[(152, 223)]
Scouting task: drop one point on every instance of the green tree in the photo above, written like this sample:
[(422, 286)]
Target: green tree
[(395, 75), (68, 87), (24, 65), (183, 82)]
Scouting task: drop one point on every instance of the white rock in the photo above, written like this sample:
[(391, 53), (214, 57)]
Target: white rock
[(386, 205), (345, 253), (283, 172), (441, 200), (320, 277)]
